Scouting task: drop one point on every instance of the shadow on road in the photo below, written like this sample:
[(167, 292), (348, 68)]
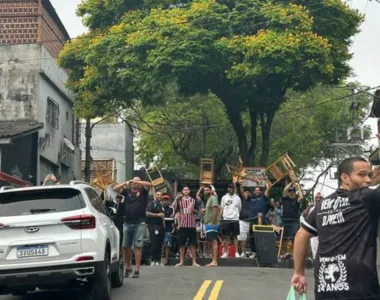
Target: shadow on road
[(49, 295)]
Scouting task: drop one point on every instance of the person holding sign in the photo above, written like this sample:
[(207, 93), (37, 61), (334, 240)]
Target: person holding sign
[(291, 203), (346, 225), (257, 208)]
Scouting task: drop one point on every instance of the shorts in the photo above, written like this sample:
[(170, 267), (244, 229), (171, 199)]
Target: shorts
[(134, 234), (187, 234), (211, 232), (230, 227), (244, 230), (168, 240), (290, 229)]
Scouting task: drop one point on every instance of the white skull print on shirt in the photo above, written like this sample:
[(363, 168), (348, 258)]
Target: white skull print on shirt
[(346, 226)]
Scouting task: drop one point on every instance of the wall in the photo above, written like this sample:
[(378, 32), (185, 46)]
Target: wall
[(112, 141), (52, 85), (50, 32), (19, 81), (19, 22)]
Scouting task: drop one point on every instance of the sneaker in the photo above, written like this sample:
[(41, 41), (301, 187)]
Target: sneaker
[(225, 255), (237, 255), (153, 263), (127, 273), (253, 255), (136, 274)]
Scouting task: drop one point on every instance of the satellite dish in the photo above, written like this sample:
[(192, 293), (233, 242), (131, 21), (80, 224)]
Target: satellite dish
[(69, 144)]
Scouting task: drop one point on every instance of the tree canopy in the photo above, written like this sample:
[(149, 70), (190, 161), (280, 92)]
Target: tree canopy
[(175, 136), (247, 53)]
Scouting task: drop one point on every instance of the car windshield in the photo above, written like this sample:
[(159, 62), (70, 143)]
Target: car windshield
[(27, 202)]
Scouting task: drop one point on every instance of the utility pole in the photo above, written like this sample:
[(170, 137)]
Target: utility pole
[(337, 154), (342, 146), (88, 136), (87, 165)]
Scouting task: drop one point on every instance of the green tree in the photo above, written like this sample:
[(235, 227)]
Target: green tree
[(248, 53), (308, 123), (175, 136)]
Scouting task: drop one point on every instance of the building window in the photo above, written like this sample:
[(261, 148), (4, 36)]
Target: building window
[(52, 113), (67, 116)]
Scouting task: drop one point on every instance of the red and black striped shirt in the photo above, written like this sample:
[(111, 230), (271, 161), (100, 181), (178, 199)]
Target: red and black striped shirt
[(187, 218)]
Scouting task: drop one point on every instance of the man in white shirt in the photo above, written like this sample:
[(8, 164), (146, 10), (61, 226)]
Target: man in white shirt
[(231, 206)]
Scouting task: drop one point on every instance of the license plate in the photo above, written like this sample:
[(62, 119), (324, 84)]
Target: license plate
[(32, 251)]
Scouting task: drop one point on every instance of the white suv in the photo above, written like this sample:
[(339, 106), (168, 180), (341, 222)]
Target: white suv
[(55, 237)]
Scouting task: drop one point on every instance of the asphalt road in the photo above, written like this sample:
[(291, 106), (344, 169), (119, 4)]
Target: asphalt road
[(190, 283)]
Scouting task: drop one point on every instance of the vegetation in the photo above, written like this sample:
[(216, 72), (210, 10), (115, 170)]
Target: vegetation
[(249, 54)]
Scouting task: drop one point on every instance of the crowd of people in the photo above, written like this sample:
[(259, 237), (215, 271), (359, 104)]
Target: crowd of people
[(199, 225), (342, 228)]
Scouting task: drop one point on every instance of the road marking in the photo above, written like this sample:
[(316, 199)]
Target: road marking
[(215, 290), (202, 290)]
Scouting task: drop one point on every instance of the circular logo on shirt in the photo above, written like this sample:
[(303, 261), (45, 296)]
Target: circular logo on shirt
[(332, 275)]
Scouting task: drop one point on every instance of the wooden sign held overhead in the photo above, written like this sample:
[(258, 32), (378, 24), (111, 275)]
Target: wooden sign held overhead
[(207, 171), (254, 176), (281, 168), (251, 176), (156, 178)]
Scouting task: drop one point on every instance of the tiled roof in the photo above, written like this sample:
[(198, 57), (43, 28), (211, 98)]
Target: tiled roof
[(10, 129)]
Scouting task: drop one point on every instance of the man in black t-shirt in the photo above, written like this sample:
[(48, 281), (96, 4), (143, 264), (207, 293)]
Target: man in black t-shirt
[(169, 225), (291, 210), (133, 209), (346, 225), (155, 220)]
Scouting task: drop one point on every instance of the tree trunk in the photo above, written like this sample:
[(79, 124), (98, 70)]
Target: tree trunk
[(237, 125), (252, 149), (204, 136), (87, 167), (266, 120)]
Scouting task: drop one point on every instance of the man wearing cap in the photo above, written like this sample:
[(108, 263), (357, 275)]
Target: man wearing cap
[(155, 220), (169, 225), (291, 211)]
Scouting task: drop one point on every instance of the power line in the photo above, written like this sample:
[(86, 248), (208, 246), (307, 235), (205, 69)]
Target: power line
[(365, 9), (184, 129)]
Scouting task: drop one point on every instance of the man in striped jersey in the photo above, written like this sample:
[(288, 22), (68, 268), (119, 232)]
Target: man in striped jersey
[(187, 208)]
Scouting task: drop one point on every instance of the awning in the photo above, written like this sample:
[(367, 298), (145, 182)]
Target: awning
[(16, 129), (13, 180)]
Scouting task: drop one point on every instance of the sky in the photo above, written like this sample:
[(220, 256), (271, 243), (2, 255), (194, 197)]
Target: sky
[(365, 62)]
